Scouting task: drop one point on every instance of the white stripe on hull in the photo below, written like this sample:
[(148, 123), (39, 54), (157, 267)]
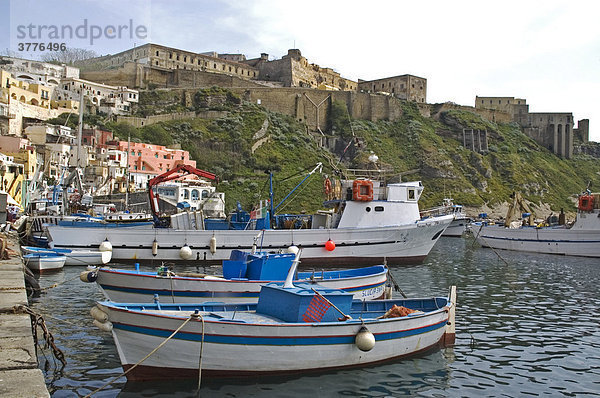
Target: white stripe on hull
[(366, 245)]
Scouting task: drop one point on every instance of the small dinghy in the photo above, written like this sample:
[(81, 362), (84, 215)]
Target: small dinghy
[(73, 257), (294, 328), (44, 261), (243, 276)]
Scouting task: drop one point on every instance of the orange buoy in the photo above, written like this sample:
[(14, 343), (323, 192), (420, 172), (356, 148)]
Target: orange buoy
[(330, 245)]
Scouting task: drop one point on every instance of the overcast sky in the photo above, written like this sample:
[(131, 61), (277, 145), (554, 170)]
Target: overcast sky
[(547, 52)]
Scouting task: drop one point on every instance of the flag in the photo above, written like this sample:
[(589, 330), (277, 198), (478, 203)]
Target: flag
[(316, 309), (260, 212)]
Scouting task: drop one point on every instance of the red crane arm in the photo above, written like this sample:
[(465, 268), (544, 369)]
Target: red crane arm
[(177, 172)]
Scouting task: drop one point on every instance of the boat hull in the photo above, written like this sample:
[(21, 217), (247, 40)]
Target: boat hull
[(135, 287), (456, 228), (44, 262), (409, 243), (237, 348), (73, 257), (563, 241)]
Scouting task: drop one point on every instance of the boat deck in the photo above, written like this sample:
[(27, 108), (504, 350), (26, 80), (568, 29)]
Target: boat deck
[(224, 316)]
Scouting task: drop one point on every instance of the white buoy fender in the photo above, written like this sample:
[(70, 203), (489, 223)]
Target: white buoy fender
[(88, 276), (104, 326), (213, 245), (98, 314), (154, 248), (186, 253), (105, 246), (365, 341), (387, 292), (293, 249)]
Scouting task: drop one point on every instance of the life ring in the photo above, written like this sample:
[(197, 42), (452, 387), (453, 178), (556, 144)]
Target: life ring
[(327, 187), (586, 203)]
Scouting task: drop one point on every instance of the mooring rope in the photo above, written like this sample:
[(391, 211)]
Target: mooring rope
[(192, 316), (201, 349)]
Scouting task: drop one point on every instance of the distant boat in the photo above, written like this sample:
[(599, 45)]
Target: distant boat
[(292, 330), (44, 261), (74, 257), (242, 279), (580, 239), (458, 226)]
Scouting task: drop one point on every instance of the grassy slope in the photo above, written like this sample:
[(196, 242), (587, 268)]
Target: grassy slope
[(514, 161)]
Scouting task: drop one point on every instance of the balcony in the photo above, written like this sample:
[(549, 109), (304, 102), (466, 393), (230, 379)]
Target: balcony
[(4, 113)]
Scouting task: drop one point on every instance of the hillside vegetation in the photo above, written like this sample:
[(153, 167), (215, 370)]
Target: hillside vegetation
[(432, 148)]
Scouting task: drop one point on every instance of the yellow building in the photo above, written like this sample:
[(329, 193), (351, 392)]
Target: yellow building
[(19, 90), (20, 99)]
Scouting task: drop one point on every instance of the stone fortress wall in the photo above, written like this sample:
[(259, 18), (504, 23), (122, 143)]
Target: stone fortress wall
[(293, 86)]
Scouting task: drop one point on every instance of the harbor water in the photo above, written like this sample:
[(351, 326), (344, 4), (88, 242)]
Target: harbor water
[(526, 325)]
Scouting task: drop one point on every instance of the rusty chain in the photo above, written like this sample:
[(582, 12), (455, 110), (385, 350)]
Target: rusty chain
[(38, 320)]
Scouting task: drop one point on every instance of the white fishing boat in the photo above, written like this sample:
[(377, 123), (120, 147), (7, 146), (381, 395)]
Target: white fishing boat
[(372, 224), (243, 276), (73, 257), (44, 261), (292, 329), (458, 226), (580, 239)]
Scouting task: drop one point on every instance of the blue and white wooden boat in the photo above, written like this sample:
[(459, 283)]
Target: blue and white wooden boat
[(73, 257), (243, 276), (44, 261), (290, 330)]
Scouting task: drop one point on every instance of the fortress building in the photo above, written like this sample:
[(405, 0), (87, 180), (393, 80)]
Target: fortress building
[(293, 70), (552, 130), (153, 64), (406, 87)]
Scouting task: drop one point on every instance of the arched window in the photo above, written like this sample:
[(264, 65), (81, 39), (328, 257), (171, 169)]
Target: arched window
[(204, 194), (195, 194)]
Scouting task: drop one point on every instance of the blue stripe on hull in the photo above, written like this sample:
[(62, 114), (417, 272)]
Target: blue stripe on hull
[(210, 294), (275, 340)]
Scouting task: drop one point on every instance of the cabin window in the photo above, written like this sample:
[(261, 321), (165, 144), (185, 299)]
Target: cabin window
[(368, 209), (411, 194), (378, 208)]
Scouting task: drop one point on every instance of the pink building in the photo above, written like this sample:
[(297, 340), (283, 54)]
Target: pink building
[(148, 160)]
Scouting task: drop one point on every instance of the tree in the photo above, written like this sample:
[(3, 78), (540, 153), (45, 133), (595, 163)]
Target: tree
[(68, 56)]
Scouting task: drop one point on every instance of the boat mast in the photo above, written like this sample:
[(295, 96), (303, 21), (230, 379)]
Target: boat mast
[(127, 173), (79, 129), (272, 215)]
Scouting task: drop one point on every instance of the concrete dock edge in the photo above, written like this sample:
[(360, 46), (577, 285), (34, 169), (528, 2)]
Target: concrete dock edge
[(20, 375)]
